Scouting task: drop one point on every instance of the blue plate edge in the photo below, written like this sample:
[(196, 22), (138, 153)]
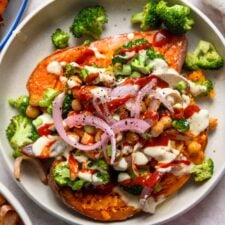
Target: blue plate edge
[(12, 28)]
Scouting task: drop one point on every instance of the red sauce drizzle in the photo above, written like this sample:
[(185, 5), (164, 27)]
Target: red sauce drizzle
[(44, 130), (135, 48), (190, 110), (162, 140), (83, 58), (161, 38), (175, 162)]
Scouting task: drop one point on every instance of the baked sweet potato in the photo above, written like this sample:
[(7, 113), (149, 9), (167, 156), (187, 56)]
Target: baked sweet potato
[(3, 5), (174, 52)]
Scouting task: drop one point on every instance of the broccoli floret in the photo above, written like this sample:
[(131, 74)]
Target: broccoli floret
[(181, 86), (20, 103), (139, 64), (48, 98), (153, 54), (148, 19), (61, 175), (104, 177), (176, 18), (60, 39), (70, 70), (181, 125), (99, 164), (206, 88), (20, 132), (135, 43), (67, 105), (205, 56), (203, 171), (90, 22)]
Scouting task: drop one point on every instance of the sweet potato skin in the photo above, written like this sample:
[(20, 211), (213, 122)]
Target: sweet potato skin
[(40, 79), (101, 207), (3, 5)]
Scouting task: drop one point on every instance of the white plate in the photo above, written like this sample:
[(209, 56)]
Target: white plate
[(15, 204), (12, 16), (31, 43)]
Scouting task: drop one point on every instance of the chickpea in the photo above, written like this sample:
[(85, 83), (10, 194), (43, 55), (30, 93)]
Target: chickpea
[(32, 112), (34, 100), (143, 107), (147, 101), (194, 148), (76, 105), (77, 81), (167, 121), (87, 139), (98, 135), (213, 122), (132, 138), (79, 131), (157, 129)]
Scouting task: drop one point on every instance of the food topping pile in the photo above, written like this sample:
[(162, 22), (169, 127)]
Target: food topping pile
[(124, 121)]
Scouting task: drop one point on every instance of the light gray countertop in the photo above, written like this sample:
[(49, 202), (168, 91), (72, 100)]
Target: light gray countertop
[(210, 211)]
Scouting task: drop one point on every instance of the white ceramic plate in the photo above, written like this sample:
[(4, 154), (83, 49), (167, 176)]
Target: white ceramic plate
[(31, 43), (15, 204), (11, 17)]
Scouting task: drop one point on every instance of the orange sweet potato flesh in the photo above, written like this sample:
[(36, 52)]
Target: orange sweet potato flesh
[(102, 207), (3, 5), (40, 79)]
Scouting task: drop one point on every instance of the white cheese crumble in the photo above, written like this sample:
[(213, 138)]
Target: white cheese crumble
[(139, 158), (130, 36), (122, 165), (196, 89), (54, 67), (123, 176)]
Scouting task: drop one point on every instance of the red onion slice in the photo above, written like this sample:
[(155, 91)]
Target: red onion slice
[(38, 166), (131, 124), (145, 90), (121, 91), (165, 102)]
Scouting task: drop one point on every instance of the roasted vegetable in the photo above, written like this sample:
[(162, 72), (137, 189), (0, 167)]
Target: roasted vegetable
[(203, 171), (204, 56), (181, 125), (90, 22), (20, 132), (21, 103), (148, 19), (176, 18), (60, 39)]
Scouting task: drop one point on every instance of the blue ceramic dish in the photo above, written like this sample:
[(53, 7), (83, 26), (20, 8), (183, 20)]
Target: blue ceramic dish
[(12, 17)]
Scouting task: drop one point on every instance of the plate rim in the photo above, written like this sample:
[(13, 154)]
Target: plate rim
[(15, 204), (179, 212), (14, 24)]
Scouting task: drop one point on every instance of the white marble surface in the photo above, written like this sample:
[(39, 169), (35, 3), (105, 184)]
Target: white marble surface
[(210, 211)]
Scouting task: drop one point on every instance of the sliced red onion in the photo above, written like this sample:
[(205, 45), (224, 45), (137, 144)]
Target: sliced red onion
[(57, 112), (8, 215), (145, 90), (121, 91), (38, 166), (153, 105), (131, 124), (163, 100), (175, 135)]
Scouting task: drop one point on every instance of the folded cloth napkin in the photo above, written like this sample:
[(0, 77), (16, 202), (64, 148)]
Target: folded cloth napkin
[(217, 4)]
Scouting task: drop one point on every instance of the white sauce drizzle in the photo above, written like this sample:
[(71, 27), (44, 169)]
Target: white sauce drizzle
[(196, 89), (98, 55), (130, 199), (199, 121), (130, 36), (123, 176), (163, 154), (55, 68), (151, 204)]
